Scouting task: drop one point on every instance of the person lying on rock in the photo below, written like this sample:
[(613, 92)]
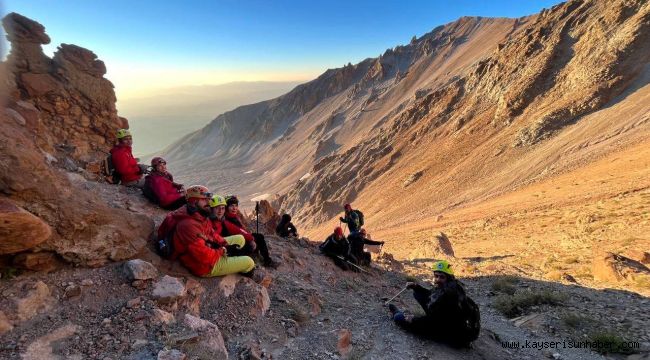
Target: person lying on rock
[(231, 224), (286, 228), (337, 247), (160, 188), (357, 241), (450, 315), (126, 166), (352, 218), (197, 246)]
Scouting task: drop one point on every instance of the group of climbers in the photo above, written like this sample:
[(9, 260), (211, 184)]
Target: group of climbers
[(206, 234), (349, 252)]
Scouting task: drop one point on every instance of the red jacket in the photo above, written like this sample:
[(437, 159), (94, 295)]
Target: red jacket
[(125, 163), (226, 228), (189, 246), (163, 187)]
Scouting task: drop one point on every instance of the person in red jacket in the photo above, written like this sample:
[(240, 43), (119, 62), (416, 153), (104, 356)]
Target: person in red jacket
[(197, 246), (160, 188), (225, 221), (125, 164)]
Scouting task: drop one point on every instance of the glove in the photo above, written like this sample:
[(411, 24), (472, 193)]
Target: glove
[(342, 219), (382, 242)]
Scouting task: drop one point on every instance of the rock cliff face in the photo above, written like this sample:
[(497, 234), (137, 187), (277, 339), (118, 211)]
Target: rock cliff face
[(59, 119)]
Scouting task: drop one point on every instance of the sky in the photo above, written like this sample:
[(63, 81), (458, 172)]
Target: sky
[(153, 45)]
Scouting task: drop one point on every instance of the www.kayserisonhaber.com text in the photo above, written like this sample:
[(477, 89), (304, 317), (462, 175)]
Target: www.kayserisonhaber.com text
[(569, 344)]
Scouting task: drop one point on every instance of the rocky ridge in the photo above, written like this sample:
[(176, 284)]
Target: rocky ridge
[(58, 122)]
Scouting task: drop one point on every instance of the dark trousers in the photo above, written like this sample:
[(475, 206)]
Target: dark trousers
[(262, 248)]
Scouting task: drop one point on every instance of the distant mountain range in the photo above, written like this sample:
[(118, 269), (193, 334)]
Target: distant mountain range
[(163, 118)]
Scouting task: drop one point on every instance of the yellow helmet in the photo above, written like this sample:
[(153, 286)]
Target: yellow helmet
[(217, 200), (198, 191), (443, 266), (122, 133)]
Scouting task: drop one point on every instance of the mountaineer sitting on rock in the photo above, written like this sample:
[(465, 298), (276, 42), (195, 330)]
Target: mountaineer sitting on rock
[(357, 242), (354, 219), (337, 247), (451, 316), (232, 225), (286, 228), (126, 166), (160, 188), (196, 244)]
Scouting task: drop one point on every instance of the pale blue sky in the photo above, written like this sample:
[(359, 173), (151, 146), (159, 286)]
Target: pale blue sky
[(149, 45)]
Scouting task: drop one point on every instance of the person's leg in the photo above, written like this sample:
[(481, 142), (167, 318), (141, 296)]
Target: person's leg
[(236, 240), (340, 263), (262, 247), (232, 265)]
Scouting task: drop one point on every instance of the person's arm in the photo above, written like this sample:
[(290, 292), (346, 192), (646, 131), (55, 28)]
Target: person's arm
[(354, 218), (372, 242), (233, 229), (292, 229), (165, 194), (417, 288), (191, 236)]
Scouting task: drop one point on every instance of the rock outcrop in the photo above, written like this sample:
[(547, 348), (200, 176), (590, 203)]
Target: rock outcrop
[(59, 117)]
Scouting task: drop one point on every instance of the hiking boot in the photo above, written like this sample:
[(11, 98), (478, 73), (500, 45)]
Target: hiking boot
[(270, 263), (249, 274)]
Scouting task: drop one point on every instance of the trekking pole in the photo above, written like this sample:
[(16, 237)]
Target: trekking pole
[(350, 263), (396, 295), (257, 215)]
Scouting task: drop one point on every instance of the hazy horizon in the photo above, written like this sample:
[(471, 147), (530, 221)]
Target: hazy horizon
[(157, 121)]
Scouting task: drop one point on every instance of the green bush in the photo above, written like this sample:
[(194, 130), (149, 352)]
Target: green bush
[(610, 343), (514, 305)]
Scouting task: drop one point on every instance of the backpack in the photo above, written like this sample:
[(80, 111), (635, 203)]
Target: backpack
[(109, 172), (147, 191), (472, 319), (164, 244), (360, 214)]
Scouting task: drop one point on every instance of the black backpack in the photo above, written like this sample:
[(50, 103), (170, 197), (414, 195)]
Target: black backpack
[(360, 214), (109, 172), (472, 319)]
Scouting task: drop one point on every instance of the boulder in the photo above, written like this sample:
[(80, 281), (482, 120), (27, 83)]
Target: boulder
[(344, 344), (613, 268), (172, 354), (20, 229), (162, 317), (210, 341), (168, 289), (138, 269), (37, 300), (40, 261)]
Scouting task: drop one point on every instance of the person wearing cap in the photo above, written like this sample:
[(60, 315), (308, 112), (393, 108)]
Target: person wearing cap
[(160, 188), (447, 311), (337, 247), (255, 242), (125, 164), (351, 218), (195, 243)]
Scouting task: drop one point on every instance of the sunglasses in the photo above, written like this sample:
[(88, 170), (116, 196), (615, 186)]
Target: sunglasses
[(162, 163)]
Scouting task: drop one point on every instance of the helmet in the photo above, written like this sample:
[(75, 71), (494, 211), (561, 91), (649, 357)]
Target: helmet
[(156, 161), (443, 266), (198, 191), (338, 231), (122, 133), (232, 199), (217, 200)]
